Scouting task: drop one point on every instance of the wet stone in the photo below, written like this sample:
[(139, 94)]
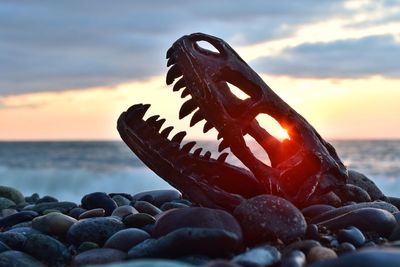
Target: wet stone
[(146, 207), (345, 247), (12, 194), (13, 240), (98, 256), (366, 219), (6, 203), (76, 212), (126, 239), (158, 197), (53, 223), (87, 246), (138, 220), (16, 218), (320, 253), (99, 212), (96, 230), (63, 206), (121, 200), (99, 200), (47, 249), (196, 217), (18, 259), (172, 205), (352, 235), (295, 258), (258, 257), (267, 217), (187, 241), (124, 211)]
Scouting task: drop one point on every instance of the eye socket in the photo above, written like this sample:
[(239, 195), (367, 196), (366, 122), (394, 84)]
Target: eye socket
[(239, 93), (206, 48)]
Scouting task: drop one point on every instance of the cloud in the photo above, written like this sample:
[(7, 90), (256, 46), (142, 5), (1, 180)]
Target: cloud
[(74, 44), (375, 55)]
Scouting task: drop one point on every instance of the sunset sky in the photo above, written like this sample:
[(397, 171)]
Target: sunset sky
[(69, 68)]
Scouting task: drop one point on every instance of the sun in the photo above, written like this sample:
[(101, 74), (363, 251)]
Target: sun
[(282, 134)]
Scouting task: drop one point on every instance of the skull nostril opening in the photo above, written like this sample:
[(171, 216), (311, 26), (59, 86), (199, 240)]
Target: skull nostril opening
[(239, 93), (272, 126), (206, 48)]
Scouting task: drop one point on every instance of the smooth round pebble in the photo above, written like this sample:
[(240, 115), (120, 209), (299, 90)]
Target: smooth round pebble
[(320, 253), (267, 217), (99, 212), (98, 256), (13, 258), (158, 197), (123, 211), (62, 206), (146, 207), (352, 235), (4, 247), (172, 205), (53, 223), (5, 203), (138, 220), (121, 200), (12, 194), (196, 217), (303, 245), (99, 200), (315, 210), (22, 216), (76, 212), (96, 230), (126, 239), (87, 246), (312, 232), (23, 230), (8, 212), (345, 247), (147, 263), (46, 199), (295, 258), (362, 181), (13, 240), (258, 256)]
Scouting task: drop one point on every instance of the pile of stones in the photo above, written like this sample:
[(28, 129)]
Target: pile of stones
[(160, 228)]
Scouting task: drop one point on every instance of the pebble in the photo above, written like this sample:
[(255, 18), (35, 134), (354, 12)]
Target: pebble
[(96, 230), (397, 216), (98, 256), (352, 193), (303, 245), (13, 240), (87, 246), (19, 217), (24, 230), (46, 199), (6, 203), (63, 206), (258, 257), (148, 263), (53, 223), (126, 239), (99, 200), (12, 194), (395, 235), (123, 211), (312, 232), (395, 201), (47, 249), (13, 258), (121, 200), (99, 212), (295, 258), (320, 253), (345, 247), (267, 217), (172, 205), (146, 207), (221, 263), (158, 197), (364, 258), (315, 210), (8, 212), (76, 212), (345, 209), (32, 199), (4, 247), (197, 217), (138, 220), (366, 219), (365, 183), (329, 198), (352, 235), (187, 241)]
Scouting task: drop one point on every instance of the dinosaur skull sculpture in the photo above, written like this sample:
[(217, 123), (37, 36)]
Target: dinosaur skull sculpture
[(303, 167)]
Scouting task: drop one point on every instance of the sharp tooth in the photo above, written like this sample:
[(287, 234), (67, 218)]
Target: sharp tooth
[(157, 125), (170, 61), (207, 126), (137, 112), (207, 155), (222, 145), (179, 85), (187, 147), (197, 152), (197, 116), (219, 136), (185, 93), (187, 108), (173, 73), (169, 52), (151, 120), (178, 137), (222, 157), (166, 131)]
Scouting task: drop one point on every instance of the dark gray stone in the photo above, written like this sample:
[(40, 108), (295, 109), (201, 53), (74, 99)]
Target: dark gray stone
[(22, 216), (303, 245), (13, 258), (362, 181), (126, 239), (350, 192), (158, 197), (315, 210), (345, 247), (96, 230), (258, 257), (173, 205), (98, 256), (12, 194), (63, 206), (187, 241), (14, 240), (99, 200), (352, 235), (146, 207), (295, 258), (4, 247), (26, 231)]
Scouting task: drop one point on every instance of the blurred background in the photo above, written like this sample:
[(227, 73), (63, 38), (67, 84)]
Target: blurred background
[(69, 68)]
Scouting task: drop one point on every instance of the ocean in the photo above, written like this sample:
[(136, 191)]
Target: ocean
[(69, 170)]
